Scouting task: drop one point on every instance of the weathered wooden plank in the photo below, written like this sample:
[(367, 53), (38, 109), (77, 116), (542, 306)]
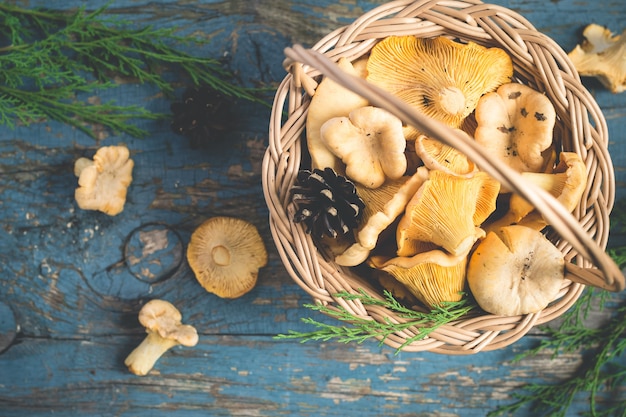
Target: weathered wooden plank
[(70, 298), (250, 375)]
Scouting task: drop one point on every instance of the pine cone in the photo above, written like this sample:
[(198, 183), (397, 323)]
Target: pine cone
[(327, 203), (201, 114)]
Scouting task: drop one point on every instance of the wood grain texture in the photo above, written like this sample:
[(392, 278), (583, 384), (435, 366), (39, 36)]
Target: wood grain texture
[(72, 281)]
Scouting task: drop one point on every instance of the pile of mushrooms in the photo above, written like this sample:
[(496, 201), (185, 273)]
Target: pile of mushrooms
[(433, 221)]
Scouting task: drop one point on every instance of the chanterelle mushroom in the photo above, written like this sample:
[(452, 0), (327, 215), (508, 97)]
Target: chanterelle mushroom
[(103, 182), (515, 124), (442, 78), (447, 210), (603, 56), (436, 155), (433, 277), (330, 100), (225, 254), (566, 183), (382, 206), (163, 324), (515, 270), (370, 143)]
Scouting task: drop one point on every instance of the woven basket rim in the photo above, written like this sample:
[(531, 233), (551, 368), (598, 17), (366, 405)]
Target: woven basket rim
[(538, 62)]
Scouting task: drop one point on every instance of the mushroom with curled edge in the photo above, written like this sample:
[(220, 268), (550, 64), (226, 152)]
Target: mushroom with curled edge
[(447, 210), (434, 276), (567, 183), (370, 143), (603, 56), (330, 100), (163, 324), (103, 182), (515, 270), (436, 155), (383, 205), (225, 255), (441, 78), (515, 124)]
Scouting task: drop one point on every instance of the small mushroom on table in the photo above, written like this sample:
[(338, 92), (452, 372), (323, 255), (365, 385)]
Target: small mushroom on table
[(163, 324), (602, 55), (103, 181), (225, 254)]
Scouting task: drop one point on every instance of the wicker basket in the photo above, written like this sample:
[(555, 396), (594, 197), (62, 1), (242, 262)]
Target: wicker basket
[(538, 62)]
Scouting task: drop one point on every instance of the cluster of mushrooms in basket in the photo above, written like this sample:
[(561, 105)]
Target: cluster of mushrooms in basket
[(382, 194)]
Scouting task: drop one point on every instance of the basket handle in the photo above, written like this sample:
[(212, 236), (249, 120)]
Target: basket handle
[(607, 276)]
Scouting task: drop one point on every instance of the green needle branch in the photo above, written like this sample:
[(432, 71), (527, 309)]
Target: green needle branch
[(602, 374), (51, 56), (362, 329)]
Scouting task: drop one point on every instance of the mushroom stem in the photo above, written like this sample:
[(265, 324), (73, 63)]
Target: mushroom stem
[(142, 359), (452, 100)]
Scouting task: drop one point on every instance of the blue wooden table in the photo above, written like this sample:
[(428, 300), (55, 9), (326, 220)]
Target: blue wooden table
[(69, 297)]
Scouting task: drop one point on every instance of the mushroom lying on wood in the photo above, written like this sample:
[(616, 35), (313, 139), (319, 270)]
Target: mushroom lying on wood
[(225, 254), (515, 270), (103, 182), (163, 324), (515, 124), (441, 78), (370, 143), (603, 56)]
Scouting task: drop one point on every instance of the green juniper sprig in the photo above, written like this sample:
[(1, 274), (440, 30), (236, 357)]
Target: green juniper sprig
[(361, 329), (600, 372), (49, 57)]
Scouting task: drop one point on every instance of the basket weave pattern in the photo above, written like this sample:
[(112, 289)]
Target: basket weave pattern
[(538, 63)]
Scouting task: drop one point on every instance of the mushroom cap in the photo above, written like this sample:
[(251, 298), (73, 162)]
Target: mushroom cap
[(515, 270), (515, 124), (382, 206), (433, 277), (603, 56), (160, 316), (436, 155), (567, 183), (225, 254), (103, 184), (330, 100), (370, 143), (442, 78), (447, 210)]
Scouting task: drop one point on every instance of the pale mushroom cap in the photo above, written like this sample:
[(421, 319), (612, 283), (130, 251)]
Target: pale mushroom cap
[(515, 124), (162, 317), (330, 100), (603, 56), (515, 270), (225, 254), (370, 143), (441, 78), (103, 184)]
